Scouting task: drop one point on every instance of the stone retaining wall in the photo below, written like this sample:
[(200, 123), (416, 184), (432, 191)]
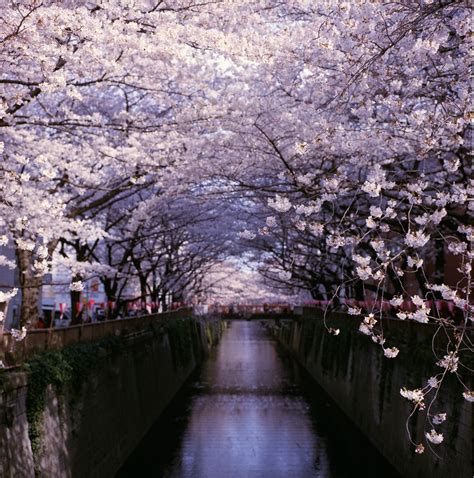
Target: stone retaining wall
[(366, 386), (90, 431)]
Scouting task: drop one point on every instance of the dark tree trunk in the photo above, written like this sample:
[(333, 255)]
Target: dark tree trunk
[(76, 314), (110, 289), (143, 288), (164, 305), (30, 283)]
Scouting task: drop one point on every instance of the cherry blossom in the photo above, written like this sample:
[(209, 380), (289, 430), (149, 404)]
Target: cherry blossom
[(439, 418), (434, 437), (412, 395), (76, 286), (469, 396), (391, 352)]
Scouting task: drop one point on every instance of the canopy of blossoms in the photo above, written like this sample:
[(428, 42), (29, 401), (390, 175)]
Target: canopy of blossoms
[(331, 141)]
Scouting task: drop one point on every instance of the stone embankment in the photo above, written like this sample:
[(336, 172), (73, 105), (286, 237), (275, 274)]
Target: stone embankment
[(366, 386), (81, 410)]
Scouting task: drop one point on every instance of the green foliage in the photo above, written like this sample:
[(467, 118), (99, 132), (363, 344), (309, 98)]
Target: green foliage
[(66, 368)]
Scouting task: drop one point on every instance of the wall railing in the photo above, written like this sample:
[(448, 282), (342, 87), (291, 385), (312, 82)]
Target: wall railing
[(13, 352)]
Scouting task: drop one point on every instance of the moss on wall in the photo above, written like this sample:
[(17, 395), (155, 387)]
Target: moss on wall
[(66, 368), (75, 405)]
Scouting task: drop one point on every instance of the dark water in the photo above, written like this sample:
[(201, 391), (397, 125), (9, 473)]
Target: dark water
[(251, 412)]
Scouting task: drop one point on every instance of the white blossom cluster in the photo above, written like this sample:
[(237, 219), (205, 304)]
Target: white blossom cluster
[(280, 204), (77, 286)]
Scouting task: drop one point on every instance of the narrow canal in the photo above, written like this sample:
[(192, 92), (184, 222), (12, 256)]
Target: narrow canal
[(251, 411)]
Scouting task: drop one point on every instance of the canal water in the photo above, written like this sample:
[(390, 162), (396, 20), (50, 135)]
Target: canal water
[(251, 412)]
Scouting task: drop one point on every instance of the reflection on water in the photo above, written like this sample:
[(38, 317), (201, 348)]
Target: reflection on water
[(250, 411)]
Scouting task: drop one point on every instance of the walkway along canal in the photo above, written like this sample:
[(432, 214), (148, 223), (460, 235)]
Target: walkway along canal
[(251, 411)]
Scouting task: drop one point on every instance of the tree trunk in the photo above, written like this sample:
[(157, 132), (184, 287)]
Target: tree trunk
[(164, 305), (110, 289), (76, 315), (30, 283), (143, 289), (154, 297)]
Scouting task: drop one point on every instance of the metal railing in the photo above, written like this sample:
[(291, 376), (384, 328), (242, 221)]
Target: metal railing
[(39, 340)]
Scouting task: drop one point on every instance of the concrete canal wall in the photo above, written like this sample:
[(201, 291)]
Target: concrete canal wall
[(80, 411), (366, 386)]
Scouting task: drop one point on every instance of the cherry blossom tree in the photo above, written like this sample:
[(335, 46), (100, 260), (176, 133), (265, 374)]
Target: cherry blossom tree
[(85, 120), (340, 132), (363, 135)]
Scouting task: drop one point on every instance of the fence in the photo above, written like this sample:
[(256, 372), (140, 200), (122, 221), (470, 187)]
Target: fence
[(40, 340)]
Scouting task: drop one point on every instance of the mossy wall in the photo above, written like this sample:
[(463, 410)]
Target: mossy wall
[(80, 411), (366, 386)]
